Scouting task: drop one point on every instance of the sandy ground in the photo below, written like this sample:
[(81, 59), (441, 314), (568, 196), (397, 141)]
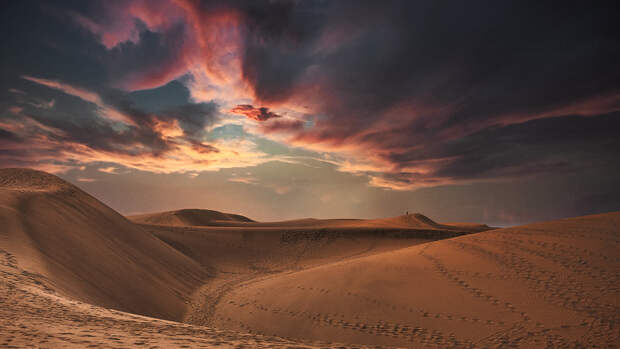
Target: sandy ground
[(235, 257), (552, 284), (67, 260), (34, 316)]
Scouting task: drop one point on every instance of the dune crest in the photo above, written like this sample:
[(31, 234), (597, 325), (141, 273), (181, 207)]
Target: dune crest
[(26, 180), (189, 217)]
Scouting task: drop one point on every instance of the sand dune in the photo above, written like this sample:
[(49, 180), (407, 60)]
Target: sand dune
[(87, 251), (548, 284), (237, 254), (34, 316), (189, 217), (201, 217), (298, 243), (67, 260)]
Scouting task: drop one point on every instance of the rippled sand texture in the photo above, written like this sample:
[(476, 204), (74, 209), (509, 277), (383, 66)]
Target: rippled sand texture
[(549, 284)]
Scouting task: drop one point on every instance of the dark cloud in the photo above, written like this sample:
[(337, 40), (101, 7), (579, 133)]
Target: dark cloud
[(437, 85), (481, 61), (193, 118), (559, 145), (166, 97), (39, 40), (283, 126), (277, 45), (169, 103), (81, 119), (203, 148), (149, 62), (8, 136)]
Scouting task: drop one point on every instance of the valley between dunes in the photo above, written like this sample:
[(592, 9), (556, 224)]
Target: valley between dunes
[(75, 273)]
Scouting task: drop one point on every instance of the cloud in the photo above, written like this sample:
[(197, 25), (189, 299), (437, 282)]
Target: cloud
[(251, 112), (277, 188), (110, 169), (419, 78), (15, 109), (68, 89), (409, 93), (33, 146), (552, 146), (245, 180), (283, 126), (150, 43), (152, 61), (17, 91), (203, 148), (170, 139), (44, 104), (88, 96)]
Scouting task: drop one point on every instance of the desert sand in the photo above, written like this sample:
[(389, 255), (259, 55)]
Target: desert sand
[(189, 217), (549, 284), (74, 273)]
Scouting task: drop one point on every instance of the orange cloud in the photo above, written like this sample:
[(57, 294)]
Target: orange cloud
[(254, 113), (48, 149), (210, 49)]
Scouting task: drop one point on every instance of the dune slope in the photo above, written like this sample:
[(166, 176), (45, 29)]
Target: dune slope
[(86, 251), (548, 284), (34, 316)]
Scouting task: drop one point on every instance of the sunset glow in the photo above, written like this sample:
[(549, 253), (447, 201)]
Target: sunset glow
[(396, 98)]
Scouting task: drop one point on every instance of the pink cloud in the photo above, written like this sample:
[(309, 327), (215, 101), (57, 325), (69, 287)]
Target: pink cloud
[(210, 46), (254, 113)]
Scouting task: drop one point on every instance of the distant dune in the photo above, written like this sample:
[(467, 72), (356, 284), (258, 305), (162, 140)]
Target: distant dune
[(66, 260), (189, 217), (201, 217)]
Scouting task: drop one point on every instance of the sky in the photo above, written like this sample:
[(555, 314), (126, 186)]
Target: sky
[(499, 112)]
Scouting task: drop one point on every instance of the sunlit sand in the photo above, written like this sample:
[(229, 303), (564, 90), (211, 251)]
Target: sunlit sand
[(74, 273)]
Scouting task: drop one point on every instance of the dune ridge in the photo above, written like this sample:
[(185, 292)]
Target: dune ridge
[(203, 217), (189, 217), (87, 251)]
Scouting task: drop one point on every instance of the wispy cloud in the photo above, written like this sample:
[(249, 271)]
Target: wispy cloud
[(88, 96), (245, 180), (68, 89)]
